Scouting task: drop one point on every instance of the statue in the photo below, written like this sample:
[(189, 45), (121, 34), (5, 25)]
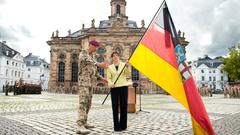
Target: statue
[(179, 33), (69, 32), (143, 23), (57, 32), (83, 26), (52, 34), (93, 23)]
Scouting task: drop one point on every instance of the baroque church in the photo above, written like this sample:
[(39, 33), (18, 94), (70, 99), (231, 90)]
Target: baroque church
[(115, 34)]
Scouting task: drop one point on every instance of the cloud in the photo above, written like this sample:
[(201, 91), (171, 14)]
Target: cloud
[(7, 34), (210, 26), (2, 2), (10, 33)]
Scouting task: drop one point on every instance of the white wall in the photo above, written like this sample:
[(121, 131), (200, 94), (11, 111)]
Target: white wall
[(14, 72), (209, 72)]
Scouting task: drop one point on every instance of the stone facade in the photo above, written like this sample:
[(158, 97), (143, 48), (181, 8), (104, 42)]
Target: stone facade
[(117, 33)]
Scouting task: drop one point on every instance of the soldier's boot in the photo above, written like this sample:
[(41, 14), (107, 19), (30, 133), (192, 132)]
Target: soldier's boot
[(87, 126), (82, 130)]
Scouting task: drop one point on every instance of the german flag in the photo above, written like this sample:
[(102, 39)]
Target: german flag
[(160, 57)]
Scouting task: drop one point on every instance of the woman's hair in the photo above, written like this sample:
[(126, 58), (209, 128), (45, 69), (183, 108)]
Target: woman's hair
[(115, 52)]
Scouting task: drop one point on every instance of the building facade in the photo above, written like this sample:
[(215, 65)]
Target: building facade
[(115, 34), (12, 66), (37, 71), (207, 72)]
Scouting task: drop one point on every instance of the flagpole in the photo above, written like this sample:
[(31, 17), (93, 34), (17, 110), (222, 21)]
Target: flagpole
[(164, 1)]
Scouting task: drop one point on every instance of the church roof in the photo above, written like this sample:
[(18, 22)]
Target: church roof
[(108, 23), (76, 34), (5, 50), (209, 62)]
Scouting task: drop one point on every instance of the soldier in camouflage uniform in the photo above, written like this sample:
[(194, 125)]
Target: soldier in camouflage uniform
[(87, 79)]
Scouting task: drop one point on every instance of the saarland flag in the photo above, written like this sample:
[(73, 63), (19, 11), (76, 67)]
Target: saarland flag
[(161, 58)]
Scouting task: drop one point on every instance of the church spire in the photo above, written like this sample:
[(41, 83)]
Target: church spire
[(118, 9)]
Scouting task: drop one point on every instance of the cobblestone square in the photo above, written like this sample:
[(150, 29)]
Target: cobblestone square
[(56, 114)]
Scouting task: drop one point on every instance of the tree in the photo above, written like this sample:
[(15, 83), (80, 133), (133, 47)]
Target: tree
[(232, 63)]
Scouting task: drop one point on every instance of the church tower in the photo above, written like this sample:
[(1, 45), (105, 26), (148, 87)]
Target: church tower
[(118, 9)]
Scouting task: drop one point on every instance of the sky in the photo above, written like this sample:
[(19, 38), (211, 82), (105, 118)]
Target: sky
[(210, 26)]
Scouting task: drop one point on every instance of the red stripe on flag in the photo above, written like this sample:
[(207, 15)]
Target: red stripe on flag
[(160, 42), (196, 106)]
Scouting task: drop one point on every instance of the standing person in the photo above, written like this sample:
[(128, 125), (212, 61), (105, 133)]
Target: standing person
[(87, 78), (6, 89), (119, 91)]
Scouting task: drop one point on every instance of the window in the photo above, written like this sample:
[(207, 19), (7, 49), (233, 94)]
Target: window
[(29, 69), (74, 56), (210, 71), (29, 76), (202, 71), (210, 78), (118, 9), (7, 52), (16, 64), (74, 72), (18, 73), (7, 62), (6, 72), (15, 73), (100, 71), (221, 78), (61, 56), (61, 71), (12, 63), (12, 72), (213, 71), (203, 78), (118, 49), (101, 50), (100, 59), (22, 74), (135, 74), (214, 78)]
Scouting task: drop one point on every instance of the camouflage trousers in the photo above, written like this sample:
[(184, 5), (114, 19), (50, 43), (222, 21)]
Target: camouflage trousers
[(85, 102)]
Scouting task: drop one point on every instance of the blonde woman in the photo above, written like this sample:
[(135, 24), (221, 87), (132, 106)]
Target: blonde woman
[(119, 91)]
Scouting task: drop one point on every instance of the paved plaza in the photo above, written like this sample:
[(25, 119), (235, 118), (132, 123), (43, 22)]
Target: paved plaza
[(56, 114)]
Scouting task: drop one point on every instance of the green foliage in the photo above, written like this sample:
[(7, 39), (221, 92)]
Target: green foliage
[(232, 63)]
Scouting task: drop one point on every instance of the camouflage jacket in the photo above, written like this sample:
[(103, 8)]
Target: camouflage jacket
[(87, 72)]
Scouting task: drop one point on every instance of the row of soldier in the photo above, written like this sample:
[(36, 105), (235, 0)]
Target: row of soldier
[(22, 88), (232, 91), (205, 91)]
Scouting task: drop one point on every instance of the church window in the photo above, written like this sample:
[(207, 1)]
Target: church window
[(135, 74), (100, 70), (61, 72), (101, 50), (74, 72), (118, 9), (61, 56), (118, 49), (74, 56), (100, 59)]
